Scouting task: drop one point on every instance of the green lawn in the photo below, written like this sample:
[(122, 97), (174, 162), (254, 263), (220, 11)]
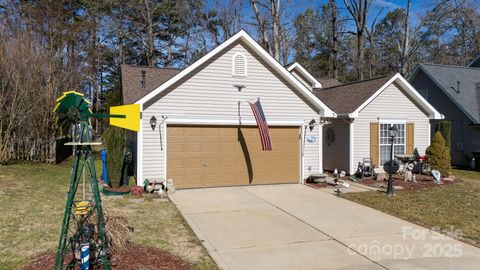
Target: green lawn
[(32, 199), (451, 207)]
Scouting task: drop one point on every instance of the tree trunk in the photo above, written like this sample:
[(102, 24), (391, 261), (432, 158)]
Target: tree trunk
[(334, 39), (150, 48), (261, 27), (276, 28), (284, 46), (360, 54), (358, 9), (406, 42)]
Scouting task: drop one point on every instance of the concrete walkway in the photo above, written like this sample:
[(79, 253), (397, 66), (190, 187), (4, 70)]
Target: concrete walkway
[(298, 227)]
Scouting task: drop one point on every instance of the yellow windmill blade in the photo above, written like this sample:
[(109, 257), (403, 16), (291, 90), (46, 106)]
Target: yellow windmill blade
[(132, 116)]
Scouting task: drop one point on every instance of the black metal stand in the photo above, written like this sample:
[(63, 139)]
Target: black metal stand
[(390, 191)]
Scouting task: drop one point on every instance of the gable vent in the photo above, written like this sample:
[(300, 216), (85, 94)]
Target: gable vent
[(239, 65)]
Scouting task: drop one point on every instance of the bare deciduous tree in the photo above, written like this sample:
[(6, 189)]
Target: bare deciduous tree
[(358, 9)]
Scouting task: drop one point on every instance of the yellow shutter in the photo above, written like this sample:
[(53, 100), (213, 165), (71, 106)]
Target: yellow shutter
[(410, 138), (374, 142)]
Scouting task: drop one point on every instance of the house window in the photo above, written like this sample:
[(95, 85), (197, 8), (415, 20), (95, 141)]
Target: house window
[(239, 65), (398, 143)]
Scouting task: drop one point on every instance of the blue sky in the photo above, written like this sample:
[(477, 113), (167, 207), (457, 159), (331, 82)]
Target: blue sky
[(294, 7)]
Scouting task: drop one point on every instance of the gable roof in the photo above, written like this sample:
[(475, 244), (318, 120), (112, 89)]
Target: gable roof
[(350, 98), (346, 98), (248, 41), (298, 68), (132, 76), (446, 77)]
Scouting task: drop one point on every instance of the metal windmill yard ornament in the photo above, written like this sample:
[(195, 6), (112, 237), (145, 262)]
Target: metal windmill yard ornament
[(83, 238)]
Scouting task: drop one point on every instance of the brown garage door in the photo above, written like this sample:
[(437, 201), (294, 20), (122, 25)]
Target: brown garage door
[(199, 156)]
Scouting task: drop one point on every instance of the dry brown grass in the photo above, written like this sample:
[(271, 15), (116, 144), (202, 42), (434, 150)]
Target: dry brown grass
[(32, 199), (455, 206), (119, 231)]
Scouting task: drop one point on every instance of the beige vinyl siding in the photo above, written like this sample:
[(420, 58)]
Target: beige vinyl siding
[(209, 94), (392, 103), (301, 78), (336, 155)]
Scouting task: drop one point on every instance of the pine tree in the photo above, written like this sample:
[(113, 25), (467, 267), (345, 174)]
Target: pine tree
[(439, 155)]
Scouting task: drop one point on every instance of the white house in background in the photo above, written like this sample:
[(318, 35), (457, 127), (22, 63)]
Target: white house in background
[(365, 110), (205, 132)]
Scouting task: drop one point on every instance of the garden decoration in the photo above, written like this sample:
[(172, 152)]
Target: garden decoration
[(103, 154), (83, 239), (408, 172)]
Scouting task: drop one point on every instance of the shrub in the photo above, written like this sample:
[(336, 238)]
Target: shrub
[(115, 142), (445, 128), (439, 155)]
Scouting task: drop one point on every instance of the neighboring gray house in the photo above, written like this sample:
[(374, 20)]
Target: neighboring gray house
[(455, 92), (475, 63), (365, 110)]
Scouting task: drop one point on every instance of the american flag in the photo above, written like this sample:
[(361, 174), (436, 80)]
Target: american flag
[(262, 125)]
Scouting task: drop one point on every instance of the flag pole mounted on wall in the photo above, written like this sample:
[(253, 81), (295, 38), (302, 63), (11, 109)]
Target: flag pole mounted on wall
[(262, 124)]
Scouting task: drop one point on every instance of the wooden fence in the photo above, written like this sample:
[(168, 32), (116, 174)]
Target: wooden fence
[(34, 149)]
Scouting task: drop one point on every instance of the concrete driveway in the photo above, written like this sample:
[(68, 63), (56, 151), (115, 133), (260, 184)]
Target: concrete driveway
[(298, 227)]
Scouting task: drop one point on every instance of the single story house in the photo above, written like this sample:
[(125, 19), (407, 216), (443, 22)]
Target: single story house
[(455, 92), (198, 129), (365, 110)]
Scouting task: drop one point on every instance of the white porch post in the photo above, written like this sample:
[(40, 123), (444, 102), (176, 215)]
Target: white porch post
[(320, 148), (352, 147), (140, 150)]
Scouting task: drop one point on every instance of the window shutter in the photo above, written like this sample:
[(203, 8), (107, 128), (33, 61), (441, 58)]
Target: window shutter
[(374, 142), (410, 138)]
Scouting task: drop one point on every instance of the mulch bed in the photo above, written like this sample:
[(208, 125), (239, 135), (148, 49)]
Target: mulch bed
[(318, 185), (424, 182), (118, 189), (132, 258)]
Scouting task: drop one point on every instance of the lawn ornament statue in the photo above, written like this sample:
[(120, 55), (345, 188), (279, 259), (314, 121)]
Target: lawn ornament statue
[(408, 172), (83, 238), (127, 168), (436, 176)]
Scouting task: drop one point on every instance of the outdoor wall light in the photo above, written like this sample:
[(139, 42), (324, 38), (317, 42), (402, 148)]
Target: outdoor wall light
[(153, 122), (392, 133), (311, 124), (239, 87)]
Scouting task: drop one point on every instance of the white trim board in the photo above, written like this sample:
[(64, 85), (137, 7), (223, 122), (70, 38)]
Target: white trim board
[(243, 36), (229, 122), (315, 83), (433, 113), (140, 151), (351, 148)]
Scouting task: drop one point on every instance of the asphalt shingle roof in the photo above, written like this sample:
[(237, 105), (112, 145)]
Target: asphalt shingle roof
[(132, 89), (346, 98), (468, 96), (328, 82)]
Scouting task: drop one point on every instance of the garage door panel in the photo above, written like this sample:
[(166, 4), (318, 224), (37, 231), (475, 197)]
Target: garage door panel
[(210, 147), (194, 147), (228, 155)]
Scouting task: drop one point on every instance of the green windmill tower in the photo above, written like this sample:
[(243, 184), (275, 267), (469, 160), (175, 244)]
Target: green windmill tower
[(83, 235)]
